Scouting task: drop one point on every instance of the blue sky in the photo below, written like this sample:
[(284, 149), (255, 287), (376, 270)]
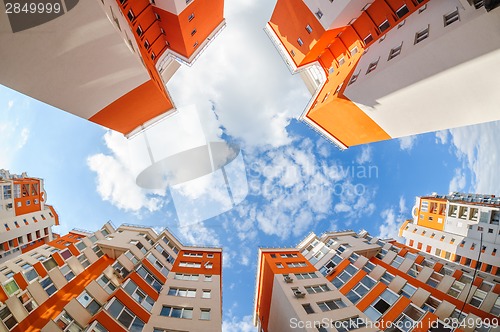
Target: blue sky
[(298, 182)]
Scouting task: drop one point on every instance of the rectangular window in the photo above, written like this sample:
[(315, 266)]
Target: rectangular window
[(407, 290), (402, 11), (354, 50), (395, 52), (127, 318), (319, 14), (381, 305), (349, 324), (183, 292), (149, 278), (7, 318), (139, 31), (421, 35), (182, 276), (372, 67), (296, 264), (317, 289), (67, 272), (300, 42), (106, 284), (67, 323), (89, 303), (331, 305), (48, 286), (28, 303), (451, 17), (193, 32), (138, 295), (190, 18), (207, 294), (368, 39), (310, 275), (309, 29), (361, 289), (205, 314), (177, 312), (130, 15), (308, 309), (384, 26)]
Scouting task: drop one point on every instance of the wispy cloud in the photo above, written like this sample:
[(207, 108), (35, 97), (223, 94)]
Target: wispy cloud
[(365, 156), (406, 143), (478, 147), (236, 324), (392, 220), (15, 134)]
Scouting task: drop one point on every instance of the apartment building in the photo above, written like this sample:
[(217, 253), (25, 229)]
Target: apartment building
[(383, 69), (25, 219), (461, 228), (106, 61), (342, 281), (128, 278)]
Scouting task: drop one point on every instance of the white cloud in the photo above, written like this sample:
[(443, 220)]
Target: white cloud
[(458, 181), (10, 104), (406, 143), (365, 156), (390, 224), (479, 148), (392, 220), (235, 324), (116, 179), (254, 94), (442, 136)]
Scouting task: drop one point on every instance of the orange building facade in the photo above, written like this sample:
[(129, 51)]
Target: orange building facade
[(116, 76), (358, 60), (343, 281), (26, 220), (125, 279)]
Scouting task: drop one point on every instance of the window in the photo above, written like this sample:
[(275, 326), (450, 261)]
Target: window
[(89, 303), (309, 275), (368, 39), (28, 303), (106, 283), (279, 265), (7, 318), (402, 11), (300, 42), (190, 18), (208, 278), (381, 305), (31, 274), (372, 67), (170, 259), (405, 322), (205, 314), (83, 260), (207, 294), (384, 26), (130, 15), (181, 276), (361, 289), (192, 254), (156, 263), (343, 277), (478, 298), (407, 290), (182, 292), (124, 316), (319, 14), (308, 28), (139, 31), (177, 312), (317, 289), (147, 46), (331, 305), (308, 309), (67, 323), (120, 270), (138, 295), (132, 257), (97, 251), (296, 264), (431, 304), (149, 278), (67, 272), (395, 52), (354, 50), (193, 32), (81, 245), (11, 287), (341, 61), (7, 192), (397, 261), (190, 264), (48, 286), (451, 17), (158, 17)]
